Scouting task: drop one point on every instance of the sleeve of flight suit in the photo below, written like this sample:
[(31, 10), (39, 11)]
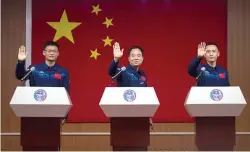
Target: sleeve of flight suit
[(113, 68), (193, 67)]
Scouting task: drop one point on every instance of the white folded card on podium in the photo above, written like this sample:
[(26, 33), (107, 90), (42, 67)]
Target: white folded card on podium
[(129, 102), (215, 101), (40, 102)]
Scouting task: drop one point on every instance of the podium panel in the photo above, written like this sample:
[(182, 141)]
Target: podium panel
[(129, 102), (40, 102), (215, 109), (215, 101), (129, 110), (41, 110)]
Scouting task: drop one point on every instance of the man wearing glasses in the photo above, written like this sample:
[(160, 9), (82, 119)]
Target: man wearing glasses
[(48, 73)]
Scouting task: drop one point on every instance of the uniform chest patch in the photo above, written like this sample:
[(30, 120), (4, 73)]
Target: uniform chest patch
[(143, 78)]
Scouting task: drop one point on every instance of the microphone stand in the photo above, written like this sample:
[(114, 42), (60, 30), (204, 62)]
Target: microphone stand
[(113, 80), (25, 78), (23, 83), (116, 75), (199, 77)]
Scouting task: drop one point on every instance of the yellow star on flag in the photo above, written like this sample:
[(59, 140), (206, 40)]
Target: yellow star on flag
[(107, 41), (94, 54), (96, 9), (64, 28), (108, 22)]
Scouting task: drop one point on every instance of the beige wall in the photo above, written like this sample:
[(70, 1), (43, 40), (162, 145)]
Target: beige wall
[(13, 35)]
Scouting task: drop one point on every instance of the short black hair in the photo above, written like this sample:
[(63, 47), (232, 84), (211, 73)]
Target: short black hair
[(136, 47), (50, 43), (212, 43)]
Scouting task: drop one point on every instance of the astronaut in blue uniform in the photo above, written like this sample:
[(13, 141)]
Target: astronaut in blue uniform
[(132, 76), (209, 74), (47, 73)]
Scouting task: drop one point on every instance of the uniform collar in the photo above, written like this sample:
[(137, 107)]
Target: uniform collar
[(45, 66), (133, 69), (211, 68)]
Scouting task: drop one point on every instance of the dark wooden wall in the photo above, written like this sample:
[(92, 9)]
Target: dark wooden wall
[(13, 35)]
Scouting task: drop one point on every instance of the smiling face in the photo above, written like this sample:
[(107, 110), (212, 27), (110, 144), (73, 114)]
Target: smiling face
[(135, 57)]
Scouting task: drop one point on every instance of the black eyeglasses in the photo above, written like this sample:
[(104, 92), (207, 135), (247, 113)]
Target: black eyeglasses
[(51, 51)]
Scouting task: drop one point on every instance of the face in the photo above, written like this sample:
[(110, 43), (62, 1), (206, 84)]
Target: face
[(212, 53), (51, 53), (135, 58)]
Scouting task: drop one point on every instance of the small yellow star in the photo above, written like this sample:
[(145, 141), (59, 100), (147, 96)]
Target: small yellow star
[(64, 28), (108, 22), (107, 41), (94, 54), (96, 9)]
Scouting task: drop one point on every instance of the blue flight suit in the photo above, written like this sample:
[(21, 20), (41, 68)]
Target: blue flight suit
[(128, 78), (44, 76), (208, 75)]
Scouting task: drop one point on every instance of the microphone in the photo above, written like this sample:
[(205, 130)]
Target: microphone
[(122, 69), (28, 73), (115, 76), (200, 74)]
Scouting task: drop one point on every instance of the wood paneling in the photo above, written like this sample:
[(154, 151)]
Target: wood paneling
[(101, 143), (13, 35), (239, 53)]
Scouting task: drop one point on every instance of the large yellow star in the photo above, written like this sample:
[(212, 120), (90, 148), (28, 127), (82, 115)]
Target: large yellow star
[(107, 41), (64, 28), (108, 22), (96, 9), (94, 54)]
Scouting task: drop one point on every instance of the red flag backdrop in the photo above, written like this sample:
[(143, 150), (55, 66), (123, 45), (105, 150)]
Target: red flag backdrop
[(168, 30)]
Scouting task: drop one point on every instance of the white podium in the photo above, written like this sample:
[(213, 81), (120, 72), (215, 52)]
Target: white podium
[(129, 102), (40, 102), (129, 110), (41, 110), (215, 109)]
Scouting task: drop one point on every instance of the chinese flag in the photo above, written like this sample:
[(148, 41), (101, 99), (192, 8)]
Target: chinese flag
[(168, 30)]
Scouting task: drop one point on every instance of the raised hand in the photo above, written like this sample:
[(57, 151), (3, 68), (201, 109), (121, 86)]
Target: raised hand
[(201, 49), (117, 51), (22, 54)]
